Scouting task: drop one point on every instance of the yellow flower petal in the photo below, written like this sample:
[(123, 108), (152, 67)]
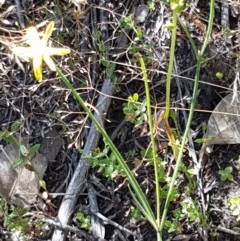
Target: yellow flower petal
[(39, 51), (37, 67), (58, 51), (47, 59), (23, 52), (48, 31)]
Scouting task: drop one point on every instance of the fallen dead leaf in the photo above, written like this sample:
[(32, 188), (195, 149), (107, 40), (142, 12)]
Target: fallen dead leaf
[(224, 123), (20, 186)]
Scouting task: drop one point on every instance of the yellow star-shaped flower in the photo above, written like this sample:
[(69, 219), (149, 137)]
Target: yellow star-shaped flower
[(39, 51)]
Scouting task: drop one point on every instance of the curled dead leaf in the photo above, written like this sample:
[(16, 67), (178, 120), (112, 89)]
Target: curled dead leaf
[(224, 123)]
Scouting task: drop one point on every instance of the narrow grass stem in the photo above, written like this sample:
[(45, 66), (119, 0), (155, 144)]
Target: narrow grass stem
[(138, 192), (189, 37), (170, 66), (193, 103), (159, 236), (151, 129)]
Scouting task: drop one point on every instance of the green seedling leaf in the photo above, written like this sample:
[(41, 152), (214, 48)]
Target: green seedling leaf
[(34, 149), (139, 33), (226, 174), (169, 26), (110, 70), (133, 98), (192, 171), (151, 5), (105, 63), (17, 163), (98, 36), (199, 141), (177, 5), (204, 127), (133, 49), (101, 47), (23, 150), (171, 226), (84, 221), (135, 213), (173, 115), (15, 126), (234, 205), (204, 140), (204, 62), (128, 22), (8, 137)]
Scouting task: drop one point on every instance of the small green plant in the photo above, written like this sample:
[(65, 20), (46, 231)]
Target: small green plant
[(190, 208), (25, 154), (234, 205), (14, 219), (204, 139), (151, 5), (227, 33), (128, 24), (226, 174), (172, 226), (156, 216), (134, 111), (10, 136), (109, 66), (84, 221), (105, 163), (135, 213)]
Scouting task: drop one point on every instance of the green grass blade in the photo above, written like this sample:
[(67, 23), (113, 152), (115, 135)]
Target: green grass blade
[(192, 107), (132, 180), (151, 129)]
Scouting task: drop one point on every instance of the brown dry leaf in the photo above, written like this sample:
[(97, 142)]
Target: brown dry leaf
[(21, 185), (224, 127)]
